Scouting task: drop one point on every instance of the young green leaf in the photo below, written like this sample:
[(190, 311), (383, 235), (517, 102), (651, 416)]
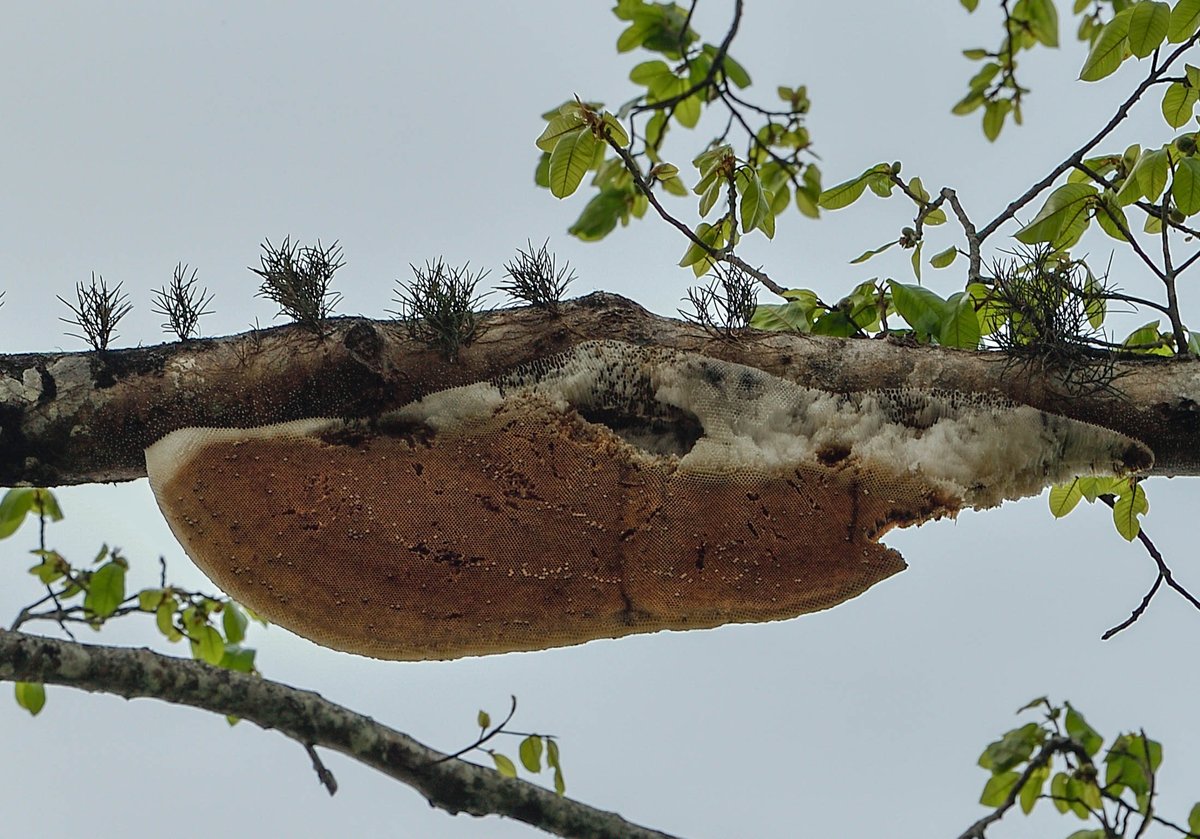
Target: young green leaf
[(1185, 187), (943, 259), (504, 766), (484, 719), (30, 695), (1148, 24), (106, 590), (1064, 498), (234, 622), (1062, 218), (1082, 733), (15, 505), (1108, 51), (1032, 789), (923, 310), (573, 155), (842, 195), (865, 255), (530, 752), (1185, 20), (1126, 510), (960, 324), (1178, 103), (996, 790), (560, 126), (207, 645)]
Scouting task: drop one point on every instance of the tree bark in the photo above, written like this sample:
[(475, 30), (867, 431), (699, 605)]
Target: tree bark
[(453, 785), (73, 418)]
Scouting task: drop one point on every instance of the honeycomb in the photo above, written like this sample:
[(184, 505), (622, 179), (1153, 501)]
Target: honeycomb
[(610, 490)]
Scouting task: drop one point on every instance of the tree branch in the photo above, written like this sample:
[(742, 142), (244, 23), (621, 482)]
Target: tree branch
[(73, 418), (454, 786)]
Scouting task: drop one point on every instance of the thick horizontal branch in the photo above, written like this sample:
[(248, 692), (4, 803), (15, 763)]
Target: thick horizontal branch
[(452, 785), (72, 418)]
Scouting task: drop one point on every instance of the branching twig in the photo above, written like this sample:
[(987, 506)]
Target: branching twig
[(1164, 575), (454, 786)]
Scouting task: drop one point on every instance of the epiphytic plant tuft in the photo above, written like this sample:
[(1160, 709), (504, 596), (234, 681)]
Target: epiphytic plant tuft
[(298, 278), (534, 276), (182, 303), (97, 311), (725, 306), (440, 306)]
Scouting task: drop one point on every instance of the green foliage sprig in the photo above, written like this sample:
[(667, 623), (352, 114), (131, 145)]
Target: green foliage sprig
[(530, 751), (214, 626), (1058, 759)]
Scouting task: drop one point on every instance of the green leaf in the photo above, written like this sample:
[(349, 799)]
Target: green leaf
[(943, 259), (207, 645), (996, 790), (1043, 21), (1058, 792), (1148, 24), (970, 5), (1178, 103), (1185, 20), (237, 658), (1064, 498), (1082, 733), (234, 623), (923, 310), (106, 590), (30, 695), (865, 255), (615, 130), (1111, 218), (1094, 304), (504, 766), (655, 75), (960, 328), (794, 316), (530, 752), (600, 216), (13, 508), (1060, 219), (754, 206), (164, 617), (1108, 51), (993, 117), (1185, 187), (1152, 170), (687, 112), (572, 157), (915, 259), (560, 785), (46, 504), (1126, 510), (560, 127), (1032, 788), (1194, 815), (484, 719), (842, 195), (149, 599)]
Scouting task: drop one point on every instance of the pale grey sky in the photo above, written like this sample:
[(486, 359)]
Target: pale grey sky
[(136, 135)]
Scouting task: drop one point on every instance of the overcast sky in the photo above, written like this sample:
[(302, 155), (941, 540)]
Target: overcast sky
[(136, 135)]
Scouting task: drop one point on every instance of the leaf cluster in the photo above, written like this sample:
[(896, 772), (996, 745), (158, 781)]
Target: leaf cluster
[(531, 750), (1127, 494), (96, 593), (1058, 759)]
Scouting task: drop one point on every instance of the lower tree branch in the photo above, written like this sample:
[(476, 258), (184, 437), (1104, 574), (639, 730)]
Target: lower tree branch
[(454, 786)]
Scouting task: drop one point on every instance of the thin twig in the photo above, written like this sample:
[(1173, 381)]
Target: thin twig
[(323, 774)]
